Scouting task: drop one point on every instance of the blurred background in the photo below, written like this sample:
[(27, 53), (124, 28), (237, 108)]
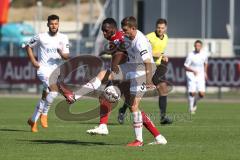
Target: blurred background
[(216, 22)]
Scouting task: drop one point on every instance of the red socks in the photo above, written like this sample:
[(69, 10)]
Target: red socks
[(105, 109), (149, 125)]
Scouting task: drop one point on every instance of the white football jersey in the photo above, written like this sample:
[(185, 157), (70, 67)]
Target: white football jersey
[(46, 48), (196, 62), (139, 49)]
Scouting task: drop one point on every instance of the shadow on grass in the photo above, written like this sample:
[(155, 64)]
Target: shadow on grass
[(12, 130), (97, 123), (71, 142)]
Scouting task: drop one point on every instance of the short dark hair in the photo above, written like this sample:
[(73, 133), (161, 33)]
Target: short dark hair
[(161, 21), (129, 21), (110, 21), (53, 17), (198, 41)]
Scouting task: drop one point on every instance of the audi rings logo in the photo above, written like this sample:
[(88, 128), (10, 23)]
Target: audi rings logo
[(224, 72)]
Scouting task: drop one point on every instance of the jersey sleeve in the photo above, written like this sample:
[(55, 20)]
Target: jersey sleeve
[(65, 45), (144, 50), (188, 61), (34, 41)]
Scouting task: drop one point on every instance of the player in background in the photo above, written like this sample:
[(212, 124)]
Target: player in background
[(52, 48), (159, 40), (196, 72), (138, 70), (118, 52)]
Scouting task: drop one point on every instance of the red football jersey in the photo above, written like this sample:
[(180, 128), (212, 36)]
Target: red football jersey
[(117, 38), (117, 42)]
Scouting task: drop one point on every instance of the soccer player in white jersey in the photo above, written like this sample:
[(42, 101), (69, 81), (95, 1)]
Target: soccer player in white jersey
[(51, 49), (138, 70), (196, 72)]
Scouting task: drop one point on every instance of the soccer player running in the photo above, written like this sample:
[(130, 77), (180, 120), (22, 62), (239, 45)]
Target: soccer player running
[(118, 52), (51, 48), (139, 70), (159, 40), (196, 72)]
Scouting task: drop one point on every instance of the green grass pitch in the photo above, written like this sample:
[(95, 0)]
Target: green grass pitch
[(212, 134)]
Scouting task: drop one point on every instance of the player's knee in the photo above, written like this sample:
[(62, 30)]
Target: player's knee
[(100, 98), (44, 95), (134, 108), (192, 94), (162, 89), (201, 94)]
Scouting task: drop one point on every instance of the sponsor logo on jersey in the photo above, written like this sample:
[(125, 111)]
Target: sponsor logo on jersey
[(51, 50)]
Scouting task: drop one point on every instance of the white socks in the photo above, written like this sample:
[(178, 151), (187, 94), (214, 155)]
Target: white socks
[(46, 109), (103, 126), (191, 100), (51, 96), (87, 88), (49, 100), (38, 110), (138, 125), (158, 138), (43, 106)]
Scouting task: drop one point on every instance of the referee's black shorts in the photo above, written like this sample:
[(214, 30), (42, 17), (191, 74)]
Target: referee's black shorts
[(160, 73)]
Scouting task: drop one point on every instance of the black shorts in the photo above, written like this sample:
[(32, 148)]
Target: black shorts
[(160, 73)]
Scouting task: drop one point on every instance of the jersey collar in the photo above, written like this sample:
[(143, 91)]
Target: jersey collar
[(159, 36)]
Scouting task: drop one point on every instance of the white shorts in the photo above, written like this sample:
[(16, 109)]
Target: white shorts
[(136, 74), (48, 75), (196, 84)]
